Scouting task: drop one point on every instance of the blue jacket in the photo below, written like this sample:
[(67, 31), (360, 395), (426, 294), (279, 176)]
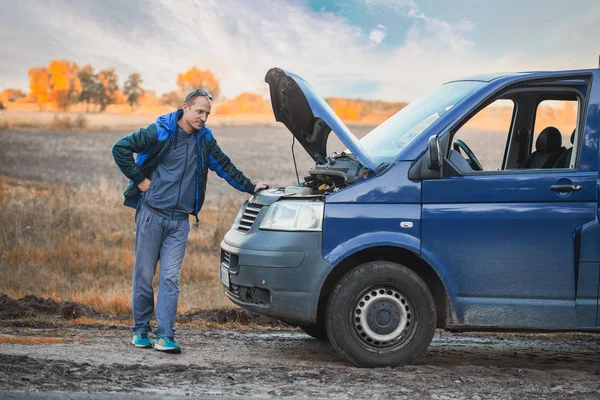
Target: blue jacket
[(152, 145)]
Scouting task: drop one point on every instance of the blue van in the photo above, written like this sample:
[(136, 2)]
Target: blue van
[(408, 231)]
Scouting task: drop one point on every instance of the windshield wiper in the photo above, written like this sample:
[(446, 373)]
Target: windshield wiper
[(381, 167)]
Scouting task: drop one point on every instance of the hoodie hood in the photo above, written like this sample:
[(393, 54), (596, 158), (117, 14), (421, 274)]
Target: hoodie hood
[(168, 122), (309, 118), (167, 125)]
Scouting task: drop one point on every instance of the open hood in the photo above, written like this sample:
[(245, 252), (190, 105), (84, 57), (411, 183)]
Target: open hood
[(309, 117)]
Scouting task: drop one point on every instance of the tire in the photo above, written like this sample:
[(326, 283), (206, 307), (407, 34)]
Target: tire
[(381, 314), (317, 331)]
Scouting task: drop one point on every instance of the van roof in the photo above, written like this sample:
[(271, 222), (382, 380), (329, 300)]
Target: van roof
[(490, 77)]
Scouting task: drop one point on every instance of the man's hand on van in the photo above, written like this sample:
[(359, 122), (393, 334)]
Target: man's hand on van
[(261, 186), (145, 185)]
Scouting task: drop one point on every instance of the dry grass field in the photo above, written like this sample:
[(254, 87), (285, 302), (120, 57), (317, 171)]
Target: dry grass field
[(75, 244)]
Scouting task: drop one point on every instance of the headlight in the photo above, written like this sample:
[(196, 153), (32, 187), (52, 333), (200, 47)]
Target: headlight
[(294, 216)]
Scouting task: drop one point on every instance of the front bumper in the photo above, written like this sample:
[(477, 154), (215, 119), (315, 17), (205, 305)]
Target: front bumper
[(275, 273)]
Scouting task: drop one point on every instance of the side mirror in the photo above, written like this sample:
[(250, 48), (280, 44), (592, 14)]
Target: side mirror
[(433, 148)]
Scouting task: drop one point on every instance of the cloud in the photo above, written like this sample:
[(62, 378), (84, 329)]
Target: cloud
[(240, 41), (377, 34)]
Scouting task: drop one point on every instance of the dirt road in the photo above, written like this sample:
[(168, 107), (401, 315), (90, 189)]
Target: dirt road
[(287, 363)]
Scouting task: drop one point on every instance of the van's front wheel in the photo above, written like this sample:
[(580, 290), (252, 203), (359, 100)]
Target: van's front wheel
[(381, 314)]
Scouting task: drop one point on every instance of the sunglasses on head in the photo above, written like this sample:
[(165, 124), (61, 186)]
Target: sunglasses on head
[(198, 92)]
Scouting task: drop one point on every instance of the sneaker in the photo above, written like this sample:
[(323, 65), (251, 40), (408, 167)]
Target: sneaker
[(167, 345), (141, 340)]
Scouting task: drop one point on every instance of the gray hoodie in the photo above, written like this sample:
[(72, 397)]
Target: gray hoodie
[(172, 191)]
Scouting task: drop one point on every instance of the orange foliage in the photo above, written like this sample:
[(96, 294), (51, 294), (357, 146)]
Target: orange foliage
[(39, 86), (224, 109), (56, 84), (11, 95), (64, 83), (149, 98), (245, 103), (118, 97), (346, 109), (195, 78)]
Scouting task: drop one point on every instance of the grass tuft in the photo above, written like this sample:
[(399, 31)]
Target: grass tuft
[(68, 123)]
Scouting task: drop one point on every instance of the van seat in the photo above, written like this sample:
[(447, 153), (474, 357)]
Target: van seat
[(548, 149), (563, 160)]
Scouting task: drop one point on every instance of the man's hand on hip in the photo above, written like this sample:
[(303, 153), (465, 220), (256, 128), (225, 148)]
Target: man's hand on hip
[(145, 185), (261, 186)]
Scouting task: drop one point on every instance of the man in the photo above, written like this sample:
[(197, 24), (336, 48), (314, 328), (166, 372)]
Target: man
[(168, 182)]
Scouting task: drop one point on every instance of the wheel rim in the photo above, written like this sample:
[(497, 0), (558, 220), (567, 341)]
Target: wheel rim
[(382, 317)]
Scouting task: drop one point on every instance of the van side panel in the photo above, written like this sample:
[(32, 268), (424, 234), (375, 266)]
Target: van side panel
[(512, 264), (350, 228), (381, 211)]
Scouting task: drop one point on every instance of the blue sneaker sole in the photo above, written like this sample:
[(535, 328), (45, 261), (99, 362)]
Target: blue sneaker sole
[(167, 349), (142, 346)]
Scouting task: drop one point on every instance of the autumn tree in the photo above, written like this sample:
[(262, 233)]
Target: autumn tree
[(39, 86), (57, 84), (101, 88), (110, 93), (11, 95), (195, 78), (149, 98), (119, 98), (64, 84), (346, 109), (245, 103), (172, 98), (91, 88), (133, 89)]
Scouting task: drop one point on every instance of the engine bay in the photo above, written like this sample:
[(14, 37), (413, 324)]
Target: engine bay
[(336, 172)]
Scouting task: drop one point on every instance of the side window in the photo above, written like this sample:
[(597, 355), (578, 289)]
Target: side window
[(562, 115), (485, 135)]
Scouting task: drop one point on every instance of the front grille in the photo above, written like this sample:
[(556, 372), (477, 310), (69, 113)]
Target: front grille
[(249, 216), (229, 261), (225, 258)]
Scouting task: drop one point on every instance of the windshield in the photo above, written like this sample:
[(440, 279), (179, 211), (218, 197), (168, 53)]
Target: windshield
[(386, 141)]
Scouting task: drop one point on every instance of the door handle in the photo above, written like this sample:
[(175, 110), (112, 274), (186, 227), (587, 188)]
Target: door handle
[(566, 188)]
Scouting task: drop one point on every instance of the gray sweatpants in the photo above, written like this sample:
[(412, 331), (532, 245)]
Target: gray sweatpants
[(157, 238)]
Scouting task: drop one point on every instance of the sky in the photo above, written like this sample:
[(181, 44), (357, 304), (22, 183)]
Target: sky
[(393, 50)]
